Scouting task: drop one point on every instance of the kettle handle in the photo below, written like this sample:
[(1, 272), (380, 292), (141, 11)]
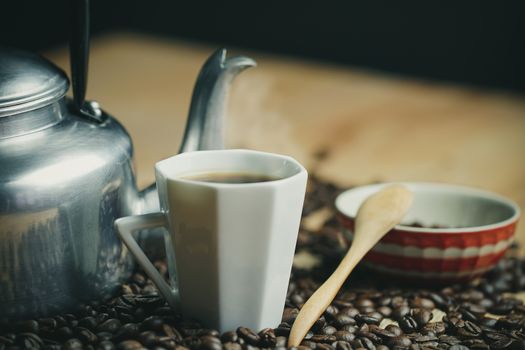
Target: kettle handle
[(79, 59)]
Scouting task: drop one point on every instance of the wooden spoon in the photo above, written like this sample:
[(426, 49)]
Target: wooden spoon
[(378, 214)]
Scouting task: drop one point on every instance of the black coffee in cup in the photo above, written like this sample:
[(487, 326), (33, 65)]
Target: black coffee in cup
[(231, 177)]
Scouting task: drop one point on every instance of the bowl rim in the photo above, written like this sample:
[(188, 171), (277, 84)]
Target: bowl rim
[(451, 187)]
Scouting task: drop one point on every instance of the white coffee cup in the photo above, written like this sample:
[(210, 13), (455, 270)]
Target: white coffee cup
[(229, 246)]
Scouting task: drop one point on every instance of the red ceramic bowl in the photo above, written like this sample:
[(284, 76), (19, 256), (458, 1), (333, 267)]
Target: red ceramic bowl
[(466, 232)]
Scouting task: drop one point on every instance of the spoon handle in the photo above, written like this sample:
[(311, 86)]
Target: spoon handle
[(323, 296), (377, 215)]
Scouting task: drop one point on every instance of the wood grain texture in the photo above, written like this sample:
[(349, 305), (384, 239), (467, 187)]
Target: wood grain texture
[(374, 127)]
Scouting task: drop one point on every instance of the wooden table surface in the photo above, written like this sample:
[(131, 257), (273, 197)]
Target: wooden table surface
[(372, 126)]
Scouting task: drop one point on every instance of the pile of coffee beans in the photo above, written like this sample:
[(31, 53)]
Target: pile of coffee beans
[(367, 314)]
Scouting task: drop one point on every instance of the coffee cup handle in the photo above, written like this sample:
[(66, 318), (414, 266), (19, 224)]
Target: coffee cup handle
[(125, 227)]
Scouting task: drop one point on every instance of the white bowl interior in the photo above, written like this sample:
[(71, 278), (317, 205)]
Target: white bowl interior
[(446, 206)]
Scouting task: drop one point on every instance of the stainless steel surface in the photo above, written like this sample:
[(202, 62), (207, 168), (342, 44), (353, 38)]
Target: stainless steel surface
[(28, 82), (204, 128), (61, 189), (65, 178)]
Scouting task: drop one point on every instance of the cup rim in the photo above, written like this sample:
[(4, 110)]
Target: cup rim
[(467, 190), (300, 168)]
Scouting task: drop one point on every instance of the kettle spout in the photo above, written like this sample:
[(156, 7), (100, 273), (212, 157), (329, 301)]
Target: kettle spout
[(205, 125)]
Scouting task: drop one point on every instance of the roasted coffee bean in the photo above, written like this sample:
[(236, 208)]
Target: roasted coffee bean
[(502, 308), (104, 336), (342, 319), (438, 300), (47, 323), (383, 333), (386, 311), (472, 329), (342, 304), (449, 340), (382, 347), (29, 340), (364, 303), (249, 336), (309, 344), (64, 332), (479, 309), (399, 312), (422, 303), (366, 319), (111, 325), (400, 342), (342, 345), (396, 330), (30, 326), (105, 345), (167, 343), (357, 343), (324, 346), (344, 335), (85, 335), (475, 344), (350, 311), (229, 337), (152, 323), (319, 324), (267, 336), (130, 345), (6, 340), (458, 347), (210, 332), (369, 335), (398, 301), (376, 315), (73, 344), (349, 328), (408, 324), (324, 338), (282, 330), (101, 317), (467, 315), (435, 327), (147, 338), (368, 344), (88, 322), (173, 333), (330, 312), (329, 330), (421, 316), (128, 330), (210, 343), (231, 346), (502, 343), (425, 338)]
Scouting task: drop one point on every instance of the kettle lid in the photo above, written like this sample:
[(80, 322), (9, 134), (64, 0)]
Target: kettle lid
[(28, 82)]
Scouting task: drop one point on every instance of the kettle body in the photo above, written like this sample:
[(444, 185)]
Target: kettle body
[(61, 189), (65, 178)]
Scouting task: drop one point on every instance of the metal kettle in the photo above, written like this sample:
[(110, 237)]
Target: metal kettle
[(66, 173)]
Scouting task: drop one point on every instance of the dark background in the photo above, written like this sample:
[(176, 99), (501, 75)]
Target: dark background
[(471, 42)]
